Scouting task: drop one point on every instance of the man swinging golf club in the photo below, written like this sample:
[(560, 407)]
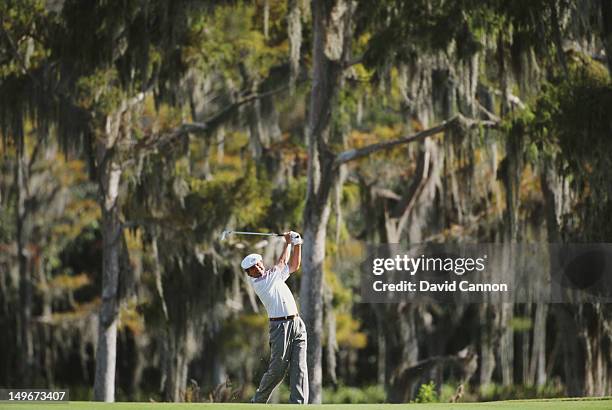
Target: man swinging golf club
[(287, 329)]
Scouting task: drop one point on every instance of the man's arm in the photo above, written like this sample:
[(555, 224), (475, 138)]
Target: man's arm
[(296, 258), (284, 257), (293, 262)]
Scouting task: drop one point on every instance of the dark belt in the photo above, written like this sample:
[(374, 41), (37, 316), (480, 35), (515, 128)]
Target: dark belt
[(276, 319)]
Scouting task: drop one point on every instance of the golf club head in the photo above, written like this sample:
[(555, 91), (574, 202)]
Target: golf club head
[(225, 234)]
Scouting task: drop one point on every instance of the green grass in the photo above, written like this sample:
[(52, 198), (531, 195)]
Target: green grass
[(559, 404)]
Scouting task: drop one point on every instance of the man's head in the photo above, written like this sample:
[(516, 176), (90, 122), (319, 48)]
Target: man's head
[(253, 265)]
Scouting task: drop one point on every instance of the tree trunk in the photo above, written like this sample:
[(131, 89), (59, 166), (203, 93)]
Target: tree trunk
[(557, 36), (537, 365), (382, 349), (25, 281), (47, 330), (488, 342), (402, 348), (606, 33), (331, 343), (294, 32), (176, 365), (256, 133), (512, 183), (592, 323), (109, 183), (266, 18), (525, 340), (328, 49), (573, 352), (506, 346), (311, 302)]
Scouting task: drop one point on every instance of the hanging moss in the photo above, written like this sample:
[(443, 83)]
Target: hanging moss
[(294, 31), (227, 41), (287, 205), (572, 124)]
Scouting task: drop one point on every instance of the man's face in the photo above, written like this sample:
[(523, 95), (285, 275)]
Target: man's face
[(256, 270)]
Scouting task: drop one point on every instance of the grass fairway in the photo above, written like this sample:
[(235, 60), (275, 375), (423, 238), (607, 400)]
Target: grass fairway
[(577, 404)]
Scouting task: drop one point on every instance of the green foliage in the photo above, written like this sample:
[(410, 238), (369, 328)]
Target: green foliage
[(404, 31), (427, 393), (572, 126), (20, 20), (400, 29), (212, 203), (348, 333), (99, 91), (93, 55), (287, 205), (252, 199), (62, 63), (241, 332), (521, 323), (226, 40), (354, 395), (343, 116), (494, 391), (516, 128), (448, 390), (8, 230), (342, 295)]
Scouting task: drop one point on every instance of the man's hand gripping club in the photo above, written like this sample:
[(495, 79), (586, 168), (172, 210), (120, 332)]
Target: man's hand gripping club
[(293, 261)]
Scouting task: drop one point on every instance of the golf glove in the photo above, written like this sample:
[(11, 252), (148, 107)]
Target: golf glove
[(296, 239)]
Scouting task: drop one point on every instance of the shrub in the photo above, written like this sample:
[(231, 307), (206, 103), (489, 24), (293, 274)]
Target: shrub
[(427, 393), (354, 395)]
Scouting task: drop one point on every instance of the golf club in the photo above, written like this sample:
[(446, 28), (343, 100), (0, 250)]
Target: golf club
[(226, 233)]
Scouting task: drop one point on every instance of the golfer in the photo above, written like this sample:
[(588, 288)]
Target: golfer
[(287, 329)]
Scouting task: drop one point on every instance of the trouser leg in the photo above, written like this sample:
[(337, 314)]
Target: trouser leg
[(278, 363), (298, 369)]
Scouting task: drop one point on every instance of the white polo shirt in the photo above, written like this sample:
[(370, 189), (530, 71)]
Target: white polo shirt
[(274, 292)]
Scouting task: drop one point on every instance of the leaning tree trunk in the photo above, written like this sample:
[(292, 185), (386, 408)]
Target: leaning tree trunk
[(109, 181), (328, 50)]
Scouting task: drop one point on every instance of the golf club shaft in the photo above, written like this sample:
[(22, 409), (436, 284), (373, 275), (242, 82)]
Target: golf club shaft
[(255, 233)]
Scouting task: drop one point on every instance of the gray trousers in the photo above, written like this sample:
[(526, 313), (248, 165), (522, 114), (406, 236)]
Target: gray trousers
[(287, 351)]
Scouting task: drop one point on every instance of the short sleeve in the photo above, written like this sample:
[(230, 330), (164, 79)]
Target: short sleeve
[(281, 272)]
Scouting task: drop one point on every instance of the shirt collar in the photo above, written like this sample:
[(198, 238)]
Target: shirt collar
[(263, 275)]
